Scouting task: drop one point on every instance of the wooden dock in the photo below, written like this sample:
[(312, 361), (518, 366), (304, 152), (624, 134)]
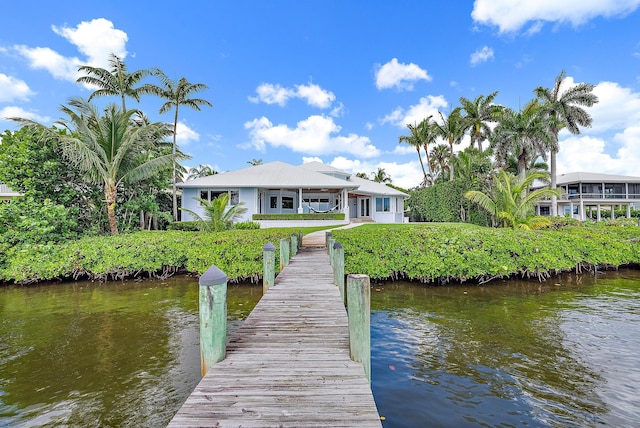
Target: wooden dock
[(288, 365)]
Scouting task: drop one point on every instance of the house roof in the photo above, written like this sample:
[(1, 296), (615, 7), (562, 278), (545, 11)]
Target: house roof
[(367, 187), (5, 191), (592, 177), (311, 175), (270, 175)]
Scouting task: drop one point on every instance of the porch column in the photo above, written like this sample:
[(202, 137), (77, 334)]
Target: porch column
[(571, 209), (583, 216), (345, 204), (598, 218), (300, 210), (628, 210), (613, 213)]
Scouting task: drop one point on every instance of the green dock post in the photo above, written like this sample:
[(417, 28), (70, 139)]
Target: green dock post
[(327, 236), (359, 310), (299, 239), (331, 242), (284, 253), (338, 269), (294, 244), (213, 317), (269, 261)]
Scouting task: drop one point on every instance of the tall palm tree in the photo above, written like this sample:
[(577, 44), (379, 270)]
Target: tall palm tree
[(441, 156), (524, 135), (478, 114), (200, 171), (110, 148), (564, 110), (115, 81), (217, 215), (452, 130), (177, 93), (380, 176), (414, 140), (511, 201)]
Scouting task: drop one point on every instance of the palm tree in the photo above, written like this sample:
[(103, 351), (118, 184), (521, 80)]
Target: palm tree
[(477, 114), (217, 215), (380, 176), (440, 156), (564, 110), (523, 135), (177, 93), (200, 171), (512, 202), (414, 140), (362, 175), (114, 82), (255, 162), (452, 130), (110, 148)]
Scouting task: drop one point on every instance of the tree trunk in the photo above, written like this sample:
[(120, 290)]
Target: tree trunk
[(426, 150), (421, 164), (451, 162), (554, 198), (110, 193)]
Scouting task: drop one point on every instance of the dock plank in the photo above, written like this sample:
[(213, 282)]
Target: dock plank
[(288, 364)]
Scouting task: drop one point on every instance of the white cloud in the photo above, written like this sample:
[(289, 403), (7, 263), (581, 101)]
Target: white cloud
[(398, 75), (427, 106), (13, 111), (617, 107), (513, 15), (12, 89), (185, 135), (313, 94), (94, 39), (481, 55), (405, 175), (316, 135)]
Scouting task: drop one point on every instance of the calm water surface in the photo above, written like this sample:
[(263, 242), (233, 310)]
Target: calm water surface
[(563, 353)]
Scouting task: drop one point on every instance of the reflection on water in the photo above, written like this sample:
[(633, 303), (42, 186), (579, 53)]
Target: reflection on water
[(562, 353), (84, 354), (511, 354)]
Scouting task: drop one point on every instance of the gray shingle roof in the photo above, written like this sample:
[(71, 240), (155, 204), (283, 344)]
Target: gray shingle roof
[(592, 177)]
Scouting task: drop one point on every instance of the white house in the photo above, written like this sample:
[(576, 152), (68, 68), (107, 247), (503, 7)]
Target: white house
[(586, 194), (6, 194), (281, 188)]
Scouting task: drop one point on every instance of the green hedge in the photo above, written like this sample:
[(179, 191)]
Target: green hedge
[(310, 216), (238, 253), (441, 253)]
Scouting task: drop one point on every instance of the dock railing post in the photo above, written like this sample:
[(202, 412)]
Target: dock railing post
[(331, 242), (269, 262), (359, 311), (284, 253), (338, 269), (213, 317), (299, 239), (294, 244), (327, 237)]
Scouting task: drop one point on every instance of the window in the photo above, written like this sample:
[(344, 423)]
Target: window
[(383, 204), (273, 202), (204, 194), (287, 203), (234, 197)]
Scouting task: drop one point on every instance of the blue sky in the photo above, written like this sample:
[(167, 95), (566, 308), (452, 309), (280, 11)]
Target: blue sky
[(335, 80)]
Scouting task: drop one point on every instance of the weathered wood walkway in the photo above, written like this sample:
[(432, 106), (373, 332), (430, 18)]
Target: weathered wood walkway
[(288, 364)]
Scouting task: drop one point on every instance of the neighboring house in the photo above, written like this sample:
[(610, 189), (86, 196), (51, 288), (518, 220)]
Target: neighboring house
[(6, 194), (278, 187), (586, 194)]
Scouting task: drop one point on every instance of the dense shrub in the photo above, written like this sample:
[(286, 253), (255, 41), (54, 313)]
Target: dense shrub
[(247, 225), (457, 252), (187, 226), (310, 216)]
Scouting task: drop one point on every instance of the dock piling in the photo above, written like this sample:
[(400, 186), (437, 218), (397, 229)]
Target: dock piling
[(213, 317), (269, 261), (359, 311)]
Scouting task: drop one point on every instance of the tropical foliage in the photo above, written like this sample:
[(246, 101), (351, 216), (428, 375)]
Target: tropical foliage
[(218, 215), (512, 201)]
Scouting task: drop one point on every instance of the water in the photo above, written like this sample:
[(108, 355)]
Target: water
[(92, 355), (562, 353)]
